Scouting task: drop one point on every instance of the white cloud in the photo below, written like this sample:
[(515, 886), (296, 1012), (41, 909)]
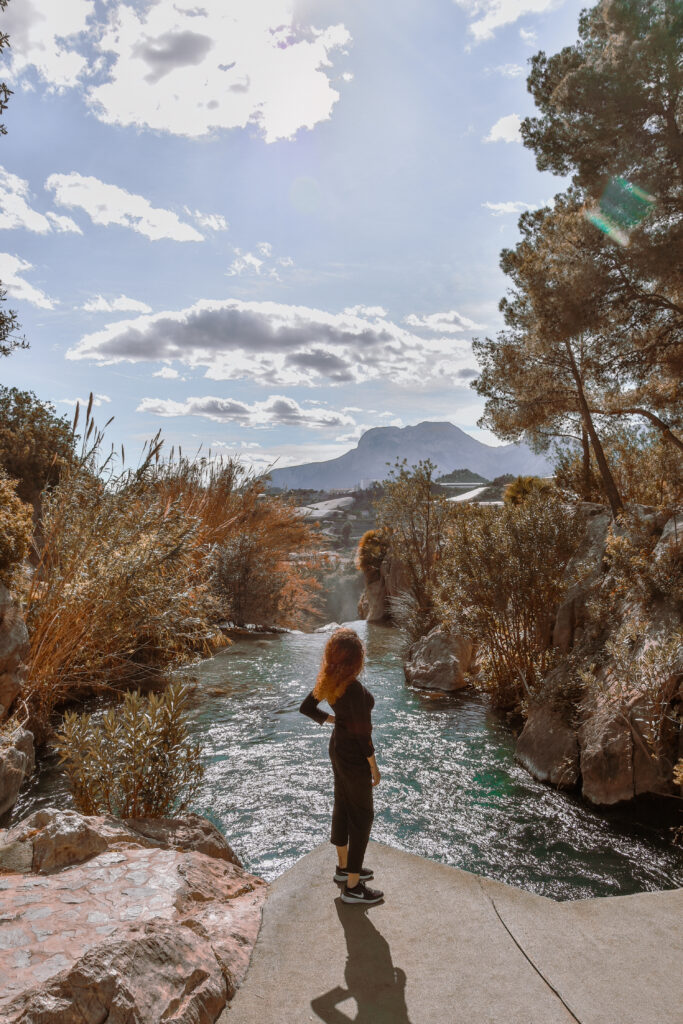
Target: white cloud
[(123, 304), (108, 204), (273, 343), (191, 69), (528, 36), (167, 373), (507, 70), (44, 36), (444, 323), (370, 311), (83, 402), (63, 224), (501, 209), (16, 211), (506, 129), (244, 261), (209, 221), (265, 262), (489, 15), (278, 410), (11, 270)]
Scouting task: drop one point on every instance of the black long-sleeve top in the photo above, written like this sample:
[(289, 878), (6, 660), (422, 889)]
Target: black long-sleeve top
[(352, 733)]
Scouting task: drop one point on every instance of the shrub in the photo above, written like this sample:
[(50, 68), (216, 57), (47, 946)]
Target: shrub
[(633, 572), (372, 550), (500, 581), (412, 515), (16, 527), (34, 441), (125, 585), (522, 486), (138, 761)]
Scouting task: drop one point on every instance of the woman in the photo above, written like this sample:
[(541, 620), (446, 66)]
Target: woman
[(353, 758)]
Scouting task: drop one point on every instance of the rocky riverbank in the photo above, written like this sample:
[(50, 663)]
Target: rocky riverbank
[(137, 920), (613, 739)]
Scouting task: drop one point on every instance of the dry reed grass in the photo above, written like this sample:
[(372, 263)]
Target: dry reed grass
[(125, 583)]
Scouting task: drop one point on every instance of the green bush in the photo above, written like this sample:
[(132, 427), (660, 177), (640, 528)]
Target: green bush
[(16, 527), (501, 578), (138, 762), (522, 486)]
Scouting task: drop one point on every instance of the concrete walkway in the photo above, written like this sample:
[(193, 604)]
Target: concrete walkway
[(449, 947)]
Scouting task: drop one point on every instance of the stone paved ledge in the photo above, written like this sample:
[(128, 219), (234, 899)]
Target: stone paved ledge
[(449, 947)]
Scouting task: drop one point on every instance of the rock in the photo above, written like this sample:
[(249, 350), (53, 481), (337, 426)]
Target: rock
[(439, 661), (158, 973), (586, 564), (375, 600), (17, 762), (380, 587), (672, 536), (13, 651), (548, 747), (606, 758), (134, 934), (59, 838), (191, 832)]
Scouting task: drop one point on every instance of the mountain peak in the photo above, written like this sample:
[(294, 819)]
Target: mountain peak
[(446, 445)]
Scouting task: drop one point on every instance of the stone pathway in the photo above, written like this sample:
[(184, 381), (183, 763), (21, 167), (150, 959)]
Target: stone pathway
[(449, 947)]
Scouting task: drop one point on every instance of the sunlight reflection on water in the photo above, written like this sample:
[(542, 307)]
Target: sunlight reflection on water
[(451, 789)]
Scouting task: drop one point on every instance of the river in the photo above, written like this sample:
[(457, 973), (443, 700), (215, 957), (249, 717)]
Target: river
[(450, 791)]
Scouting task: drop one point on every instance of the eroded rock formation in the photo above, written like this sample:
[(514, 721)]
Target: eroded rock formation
[(438, 661), (123, 921), (606, 747)]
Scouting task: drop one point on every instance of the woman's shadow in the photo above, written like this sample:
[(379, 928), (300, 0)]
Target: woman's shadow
[(371, 978)]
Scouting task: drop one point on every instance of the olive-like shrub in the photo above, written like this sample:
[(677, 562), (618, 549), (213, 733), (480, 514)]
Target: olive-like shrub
[(501, 578), (138, 761)]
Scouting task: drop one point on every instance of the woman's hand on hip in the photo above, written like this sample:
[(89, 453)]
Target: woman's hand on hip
[(330, 719)]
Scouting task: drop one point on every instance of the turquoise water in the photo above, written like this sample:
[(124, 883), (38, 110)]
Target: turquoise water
[(450, 788)]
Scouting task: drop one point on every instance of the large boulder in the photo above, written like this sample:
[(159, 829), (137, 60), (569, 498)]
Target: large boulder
[(135, 933), (439, 661), (13, 651), (17, 762), (157, 972), (606, 758), (548, 747), (51, 839)]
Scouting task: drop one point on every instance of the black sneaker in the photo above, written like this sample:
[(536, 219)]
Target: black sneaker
[(341, 874), (361, 893)]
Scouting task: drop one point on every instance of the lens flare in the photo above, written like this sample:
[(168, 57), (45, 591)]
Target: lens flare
[(621, 208)]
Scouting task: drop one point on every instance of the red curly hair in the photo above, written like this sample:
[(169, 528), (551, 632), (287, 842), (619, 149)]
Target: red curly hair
[(343, 659)]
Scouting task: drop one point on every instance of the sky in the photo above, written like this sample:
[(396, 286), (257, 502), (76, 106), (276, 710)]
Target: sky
[(260, 226)]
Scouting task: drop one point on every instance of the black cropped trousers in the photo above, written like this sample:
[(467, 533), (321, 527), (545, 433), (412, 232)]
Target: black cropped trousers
[(353, 811)]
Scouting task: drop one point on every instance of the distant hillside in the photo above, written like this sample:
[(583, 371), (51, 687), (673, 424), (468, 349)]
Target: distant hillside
[(445, 444), (460, 476)]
